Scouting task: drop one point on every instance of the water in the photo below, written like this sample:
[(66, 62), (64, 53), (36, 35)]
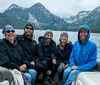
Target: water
[(95, 37)]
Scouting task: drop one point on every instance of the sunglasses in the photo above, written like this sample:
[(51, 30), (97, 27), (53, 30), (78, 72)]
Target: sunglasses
[(28, 28), (10, 31)]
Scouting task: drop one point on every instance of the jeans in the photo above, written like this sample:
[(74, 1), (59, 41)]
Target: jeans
[(31, 76), (69, 76)]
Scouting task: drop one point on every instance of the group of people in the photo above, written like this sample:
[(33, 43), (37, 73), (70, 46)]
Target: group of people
[(56, 63)]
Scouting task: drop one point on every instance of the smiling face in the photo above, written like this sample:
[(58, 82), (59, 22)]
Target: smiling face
[(48, 37), (63, 39), (10, 35), (28, 31), (83, 34)]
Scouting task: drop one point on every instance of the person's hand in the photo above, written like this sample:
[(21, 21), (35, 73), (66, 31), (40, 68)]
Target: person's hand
[(54, 61), (23, 67), (74, 67), (62, 64), (33, 63)]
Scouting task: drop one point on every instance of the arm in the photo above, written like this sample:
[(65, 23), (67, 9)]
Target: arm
[(54, 50), (68, 52), (35, 54), (40, 51), (72, 58), (4, 58), (92, 60)]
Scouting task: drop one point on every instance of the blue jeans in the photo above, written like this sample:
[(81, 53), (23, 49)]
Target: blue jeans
[(69, 76), (31, 76)]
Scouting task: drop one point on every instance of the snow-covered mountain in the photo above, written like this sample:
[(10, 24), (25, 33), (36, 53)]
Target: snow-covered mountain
[(38, 14), (42, 18), (78, 17), (14, 6), (92, 18)]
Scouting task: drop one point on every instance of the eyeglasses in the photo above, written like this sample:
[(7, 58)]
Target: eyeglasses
[(29, 28), (10, 31)]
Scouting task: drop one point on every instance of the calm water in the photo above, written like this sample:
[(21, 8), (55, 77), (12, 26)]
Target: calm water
[(95, 37)]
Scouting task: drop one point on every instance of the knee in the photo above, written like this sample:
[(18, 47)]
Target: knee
[(74, 72), (39, 67), (60, 69), (68, 70), (65, 71), (45, 63), (28, 76), (32, 72)]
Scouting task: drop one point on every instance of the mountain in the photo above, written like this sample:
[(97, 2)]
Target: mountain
[(14, 15), (42, 18), (14, 6), (38, 15), (93, 19), (78, 17), (75, 21)]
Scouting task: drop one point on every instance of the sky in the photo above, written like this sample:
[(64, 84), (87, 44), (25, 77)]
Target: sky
[(62, 8)]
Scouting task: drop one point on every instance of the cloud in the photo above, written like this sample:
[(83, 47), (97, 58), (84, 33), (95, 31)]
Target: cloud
[(58, 7)]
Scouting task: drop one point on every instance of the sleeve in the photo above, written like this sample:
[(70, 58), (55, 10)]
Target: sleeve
[(72, 58), (40, 52), (58, 53), (4, 58), (34, 55), (92, 61), (69, 50), (54, 50), (25, 58)]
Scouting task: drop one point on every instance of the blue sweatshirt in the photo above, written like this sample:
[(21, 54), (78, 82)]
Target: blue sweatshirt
[(84, 54)]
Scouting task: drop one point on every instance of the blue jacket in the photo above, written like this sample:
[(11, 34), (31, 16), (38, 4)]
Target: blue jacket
[(84, 54)]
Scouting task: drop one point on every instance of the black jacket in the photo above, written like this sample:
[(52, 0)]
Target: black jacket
[(29, 47), (46, 52), (63, 55), (11, 55)]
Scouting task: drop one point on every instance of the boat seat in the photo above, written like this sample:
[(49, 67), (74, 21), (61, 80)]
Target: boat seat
[(88, 78), (5, 74), (97, 67), (82, 76), (5, 82)]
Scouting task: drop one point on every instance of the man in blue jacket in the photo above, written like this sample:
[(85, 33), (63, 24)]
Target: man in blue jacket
[(83, 56)]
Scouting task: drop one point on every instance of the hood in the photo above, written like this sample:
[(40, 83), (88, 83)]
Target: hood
[(87, 28)]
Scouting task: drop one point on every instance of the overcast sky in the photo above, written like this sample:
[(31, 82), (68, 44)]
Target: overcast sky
[(58, 7)]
